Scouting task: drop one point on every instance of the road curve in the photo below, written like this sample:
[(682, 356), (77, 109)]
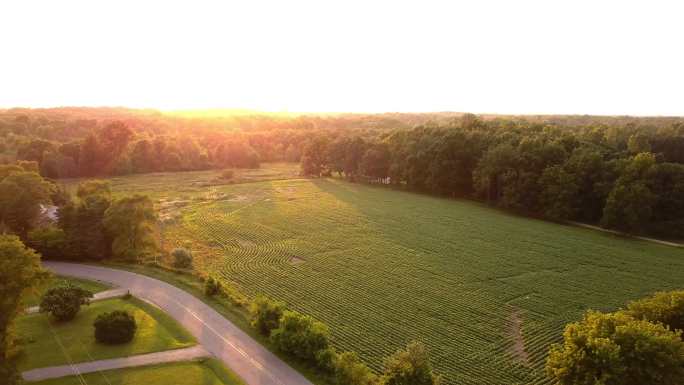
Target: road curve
[(245, 356)]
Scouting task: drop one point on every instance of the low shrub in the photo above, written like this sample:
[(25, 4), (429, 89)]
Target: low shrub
[(116, 327), (227, 174), (301, 336), (182, 258), (266, 314), (63, 302), (211, 287), (350, 370)]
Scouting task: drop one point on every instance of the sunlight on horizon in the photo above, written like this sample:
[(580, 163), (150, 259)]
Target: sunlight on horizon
[(583, 57)]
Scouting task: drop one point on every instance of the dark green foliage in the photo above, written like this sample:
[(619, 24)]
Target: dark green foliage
[(301, 336), (20, 271), (49, 241), (63, 302), (116, 327), (21, 196), (664, 307), (82, 222), (182, 258), (410, 366), (212, 287), (616, 349), (266, 314), (130, 222), (9, 373)]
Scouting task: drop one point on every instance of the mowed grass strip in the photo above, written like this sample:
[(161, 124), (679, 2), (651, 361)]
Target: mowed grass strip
[(33, 299), (382, 267), (46, 342), (207, 372)]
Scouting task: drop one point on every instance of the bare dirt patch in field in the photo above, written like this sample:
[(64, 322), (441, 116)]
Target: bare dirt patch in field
[(245, 243), (296, 260), (515, 332)]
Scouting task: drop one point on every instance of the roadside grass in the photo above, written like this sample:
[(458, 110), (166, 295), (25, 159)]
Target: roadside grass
[(204, 372), (49, 343), (33, 299), (238, 315)]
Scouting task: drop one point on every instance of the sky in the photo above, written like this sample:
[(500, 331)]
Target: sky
[(512, 57)]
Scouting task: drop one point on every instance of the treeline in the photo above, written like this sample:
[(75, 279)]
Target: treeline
[(306, 339), (86, 142), (88, 226), (627, 177)]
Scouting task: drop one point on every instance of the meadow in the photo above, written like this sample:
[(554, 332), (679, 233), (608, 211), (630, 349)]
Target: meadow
[(486, 290)]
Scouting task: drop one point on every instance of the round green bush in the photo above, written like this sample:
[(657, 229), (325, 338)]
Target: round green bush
[(182, 258), (64, 301), (116, 327)]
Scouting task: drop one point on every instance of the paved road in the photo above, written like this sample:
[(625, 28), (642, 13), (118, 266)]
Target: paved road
[(186, 354), (113, 293), (246, 357)]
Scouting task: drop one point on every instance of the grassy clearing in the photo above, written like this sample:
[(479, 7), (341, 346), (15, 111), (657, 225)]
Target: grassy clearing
[(207, 372), (383, 267), (190, 184), (33, 299), (48, 343)]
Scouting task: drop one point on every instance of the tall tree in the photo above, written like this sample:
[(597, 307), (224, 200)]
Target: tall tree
[(21, 197), (20, 271), (130, 222)]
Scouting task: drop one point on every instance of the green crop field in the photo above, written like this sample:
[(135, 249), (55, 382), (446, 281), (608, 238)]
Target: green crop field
[(487, 291)]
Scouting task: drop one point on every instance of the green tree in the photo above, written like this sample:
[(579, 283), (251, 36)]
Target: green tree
[(350, 370), (266, 314), (301, 336), (21, 197), (20, 272), (664, 307), (63, 302), (410, 366), (49, 241), (182, 258), (558, 198), (629, 206), (616, 349), (130, 222), (82, 221)]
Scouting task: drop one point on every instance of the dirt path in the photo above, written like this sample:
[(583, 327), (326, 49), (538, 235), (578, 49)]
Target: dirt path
[(659, 241), (236, 349), (116, 363)]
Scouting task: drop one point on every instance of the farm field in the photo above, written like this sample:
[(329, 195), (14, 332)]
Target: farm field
[(487, 291)]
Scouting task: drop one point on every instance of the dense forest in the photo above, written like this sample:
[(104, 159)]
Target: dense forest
[(620, 172)]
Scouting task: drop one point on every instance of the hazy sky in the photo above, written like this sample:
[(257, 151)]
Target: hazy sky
[(511, 56)]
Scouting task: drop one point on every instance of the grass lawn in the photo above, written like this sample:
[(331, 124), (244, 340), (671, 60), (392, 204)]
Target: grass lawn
[(383, 267), (207, 372), (156, 332), (33, 299)]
